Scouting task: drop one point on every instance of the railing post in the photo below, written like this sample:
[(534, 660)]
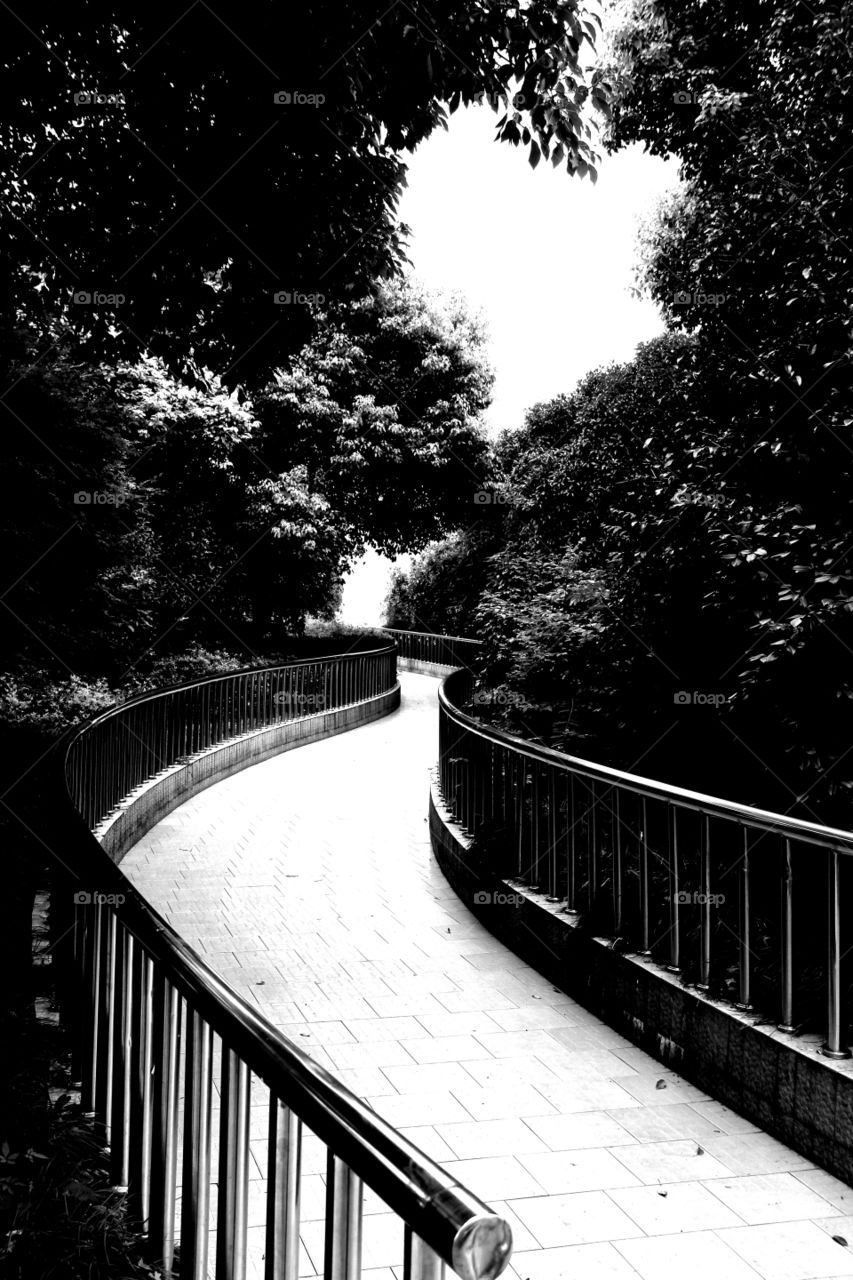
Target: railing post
[(419, 1261), (592, 846), (106, 1024), (195, 1183), (786, 1020), (674, 892), (122, 1029), (164, 1148), (232, 1215), (343, 1222), (835, 1046), (553, 833), (535, 834), (570, 843), (645, 932), (284, 1155), (744, 926), (139, 1183), (520, 770), (617, 862), (705, 904), (91, 1012)]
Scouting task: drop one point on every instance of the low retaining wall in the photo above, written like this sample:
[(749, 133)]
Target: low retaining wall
[(143, 808), (781, 1083)]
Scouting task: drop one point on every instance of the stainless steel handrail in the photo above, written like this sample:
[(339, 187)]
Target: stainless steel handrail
[(566, 821), (428, 646), (143, 993), (433, 635), (713, 806)]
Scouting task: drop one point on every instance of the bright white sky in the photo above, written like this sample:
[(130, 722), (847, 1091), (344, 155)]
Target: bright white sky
[(547, 258)]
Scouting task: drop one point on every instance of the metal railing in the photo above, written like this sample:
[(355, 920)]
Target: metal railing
[(425, 646), (645, 861), (117, 751), (148, 1015)]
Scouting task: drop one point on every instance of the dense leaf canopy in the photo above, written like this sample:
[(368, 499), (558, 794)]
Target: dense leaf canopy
[(187, 182)]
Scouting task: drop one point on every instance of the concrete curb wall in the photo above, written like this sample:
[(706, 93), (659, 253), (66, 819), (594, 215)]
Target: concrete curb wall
[(145, 806), (780, 1083)]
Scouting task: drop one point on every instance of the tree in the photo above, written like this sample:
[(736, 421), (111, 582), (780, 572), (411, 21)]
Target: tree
[(78, 580), (441, 590), (208, 517), (383, 409), (237, 547), (612, 624), (752, 257), (189, 204)]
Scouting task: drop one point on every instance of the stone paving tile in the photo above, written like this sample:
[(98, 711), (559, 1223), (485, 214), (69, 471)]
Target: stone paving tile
[(587, 1129), (500, 1104), (582, 1217), (308, 882), (789, 1251), (593, 1169), (681, 1161), (675, 1207), (701, 1255), (573, 1262), (490, 1138), (495, 1177), (657, 1124), (776, 1197), (755, 1153), (724, 1119)]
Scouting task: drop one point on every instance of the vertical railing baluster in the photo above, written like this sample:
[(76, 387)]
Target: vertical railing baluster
[(122, 1034), (645, 932), (166, 1052), (744, 927), (835, 1046), (139, 1182), (674, 891), (284, 1156), (106, 1026), (419, 1261), (592, 847), (705, 904), (195, 1182), (92, 1011), (520, 769), (786, 1019), (618, 875), (343, 1222), (553, 832), (232, 1210), (571, 844), (535, 824)]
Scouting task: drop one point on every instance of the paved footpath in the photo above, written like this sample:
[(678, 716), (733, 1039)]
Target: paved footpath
[(308, 883)]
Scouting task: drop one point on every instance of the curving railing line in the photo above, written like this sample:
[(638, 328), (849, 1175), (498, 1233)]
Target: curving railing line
[(426, 646), (126, 745), (581, 831), (147, 1012)]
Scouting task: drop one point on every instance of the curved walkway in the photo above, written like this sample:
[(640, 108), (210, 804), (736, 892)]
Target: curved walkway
[(308, 882)]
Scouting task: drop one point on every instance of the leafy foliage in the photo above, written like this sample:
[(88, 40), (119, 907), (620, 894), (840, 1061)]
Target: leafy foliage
[(383, 410), (186, 192), (146, 515), (70, 1221), (672, 592), (753, 257), (440, 591)]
